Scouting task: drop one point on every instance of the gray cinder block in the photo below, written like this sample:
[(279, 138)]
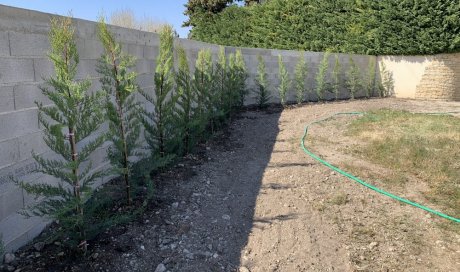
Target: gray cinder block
[(14, 70), (6, 99), (18, 123), (28, 44)]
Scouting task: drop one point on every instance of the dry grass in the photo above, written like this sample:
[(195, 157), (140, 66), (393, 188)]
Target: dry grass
[(126, 18), (421, 145)]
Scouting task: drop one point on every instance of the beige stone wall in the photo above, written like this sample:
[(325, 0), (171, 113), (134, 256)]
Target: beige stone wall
[(424, 77), (441, 79)]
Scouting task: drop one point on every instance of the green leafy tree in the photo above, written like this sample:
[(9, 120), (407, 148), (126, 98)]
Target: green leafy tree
[(321, 77), (370, 80), (262, 92), (203, 84), (336, 77), (301, 73), (118, 81), (354, 82), (285, 82), (69, 126), (159, 129)]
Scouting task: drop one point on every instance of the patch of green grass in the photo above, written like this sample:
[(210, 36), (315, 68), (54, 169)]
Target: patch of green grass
[(339, 199), (422, 145)]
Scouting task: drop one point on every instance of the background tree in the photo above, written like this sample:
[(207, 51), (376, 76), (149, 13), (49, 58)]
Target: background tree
[(122, 109), (68, 125), (345, 26)]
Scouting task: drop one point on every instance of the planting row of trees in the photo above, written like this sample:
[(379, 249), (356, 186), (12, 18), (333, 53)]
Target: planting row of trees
[(182, 110), (327, 80), (384, 27)]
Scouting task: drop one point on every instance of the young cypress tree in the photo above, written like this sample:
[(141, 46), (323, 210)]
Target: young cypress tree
[(237, 76), (203, 84), (185, 100), (263, 94), (241, 75), (159, 129), (224, 94), (285, 82), (354, 80), (69, 126), (301, 72), (370, 83), (321, 81), (122, 110), (336, 77)]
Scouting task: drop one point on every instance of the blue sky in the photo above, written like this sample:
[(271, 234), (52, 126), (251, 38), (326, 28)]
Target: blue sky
[(170, 11)]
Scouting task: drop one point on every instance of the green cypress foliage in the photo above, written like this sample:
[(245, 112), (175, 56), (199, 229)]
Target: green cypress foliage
[(240, 75), (159, 129), (346, 26), (237, 76), (69, 126), (387, 83), (221, 95), (301, 73), (185, 99), (370, 80), (122, 110), (354, 82), (321, 81), (262, 92), (285, 82), (203, 84), (336, 77)]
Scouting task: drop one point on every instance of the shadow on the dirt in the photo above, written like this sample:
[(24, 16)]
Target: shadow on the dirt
[(218, 204)]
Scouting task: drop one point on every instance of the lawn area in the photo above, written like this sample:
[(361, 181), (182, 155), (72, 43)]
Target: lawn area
[(421, 145)]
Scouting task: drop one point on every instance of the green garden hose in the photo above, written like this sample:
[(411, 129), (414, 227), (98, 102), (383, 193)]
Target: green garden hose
[(350, 176)]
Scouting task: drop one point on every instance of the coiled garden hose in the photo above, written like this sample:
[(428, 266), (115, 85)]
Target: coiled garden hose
[(350, 176)]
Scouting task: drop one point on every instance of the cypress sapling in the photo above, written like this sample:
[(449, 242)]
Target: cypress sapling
[(354, 80), (159, 128), (370, 84), (263, 94), (301, 72), (203, 84), (123, 112), (321, 80), (336, 77), (285, 82), (69, 125), (185, 101)]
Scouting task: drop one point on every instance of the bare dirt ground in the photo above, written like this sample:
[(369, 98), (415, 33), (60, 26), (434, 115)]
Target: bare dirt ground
[(258, 203)]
